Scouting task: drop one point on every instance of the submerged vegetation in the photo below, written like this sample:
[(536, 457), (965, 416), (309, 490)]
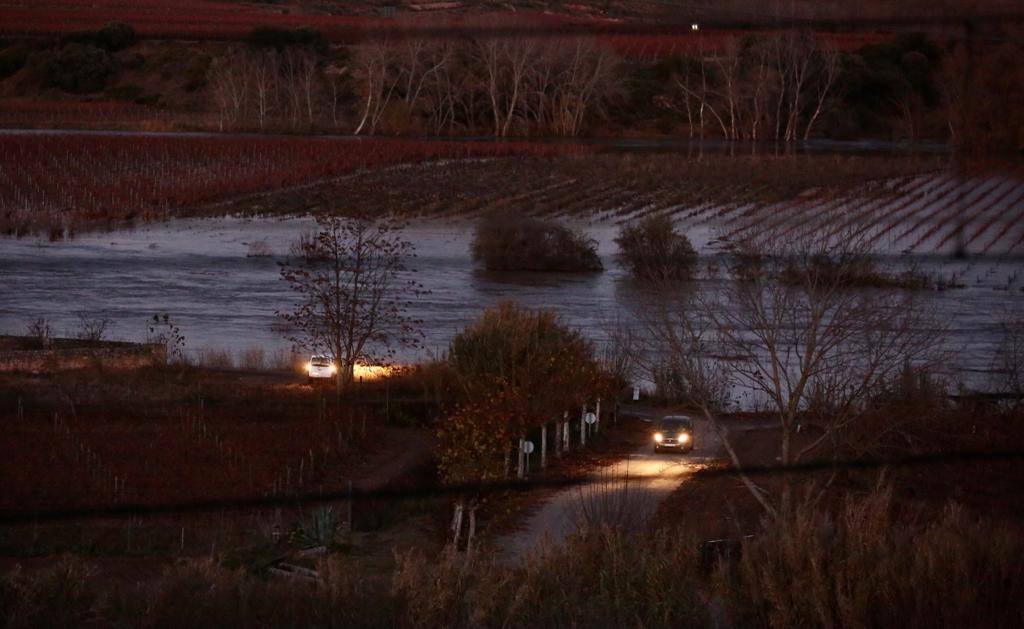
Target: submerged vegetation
[(532, 244), (652, 249)]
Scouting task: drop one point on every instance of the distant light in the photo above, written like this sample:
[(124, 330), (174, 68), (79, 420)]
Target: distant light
[(695, 27)]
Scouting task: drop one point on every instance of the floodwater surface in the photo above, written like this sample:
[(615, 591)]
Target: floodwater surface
[(199, 271)]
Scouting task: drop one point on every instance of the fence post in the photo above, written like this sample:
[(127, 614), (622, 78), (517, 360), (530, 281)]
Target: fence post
[(597, 412), (544, 445), (583, 426), (520, 469), (350, 527), (566, 434)]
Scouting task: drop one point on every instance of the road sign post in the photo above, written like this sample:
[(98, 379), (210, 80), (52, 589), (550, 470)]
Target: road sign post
[(527, 447)]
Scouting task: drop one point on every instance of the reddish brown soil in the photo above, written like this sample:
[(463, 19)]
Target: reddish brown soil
[(171, 437)]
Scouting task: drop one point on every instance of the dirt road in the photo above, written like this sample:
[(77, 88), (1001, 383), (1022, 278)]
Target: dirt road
[(625, 493)]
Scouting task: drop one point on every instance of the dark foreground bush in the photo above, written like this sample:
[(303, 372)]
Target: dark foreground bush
[(531, 244), (12, 60), (862, 568), (653, 250), (859, 567)]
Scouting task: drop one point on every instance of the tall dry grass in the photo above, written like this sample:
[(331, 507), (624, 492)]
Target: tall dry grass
[(252, 358), (861, 567), (871, 563)]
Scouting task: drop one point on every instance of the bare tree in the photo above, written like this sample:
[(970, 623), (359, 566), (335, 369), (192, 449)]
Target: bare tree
[(506, 62), (682, 354), (91, 328), (695, 84), (798, 332), (301, 82), (229, 82), (586, 80), (352, 293), (264, 69), (730, 67), (40, 330), (828, 62), (442, 91), (376, 68), (1009, 359)]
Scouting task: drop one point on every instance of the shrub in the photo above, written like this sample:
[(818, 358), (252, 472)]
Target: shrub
[(215, 358), (79, 68), (62, 596), (12, 60), (126, 92), (253, 359), (516, 368), (91, 328), (530, 244), (112, 37), (863, 567), (653, 250), (278, 37), (511, 347), (859, 567), (850, 272), (259, 249), (40, 331)]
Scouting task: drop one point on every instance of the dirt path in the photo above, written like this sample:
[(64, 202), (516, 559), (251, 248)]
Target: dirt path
[(625, 493)]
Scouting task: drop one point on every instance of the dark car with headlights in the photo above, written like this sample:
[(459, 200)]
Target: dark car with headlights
[(674, 432)]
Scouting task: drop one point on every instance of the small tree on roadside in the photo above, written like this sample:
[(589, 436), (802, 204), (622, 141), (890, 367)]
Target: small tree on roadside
[(516, 369), (652, 249), (531, 352), (472, 440), (351, 292)]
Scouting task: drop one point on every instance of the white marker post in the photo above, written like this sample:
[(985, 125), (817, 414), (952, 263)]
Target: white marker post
[(527, 450), (591, 420)]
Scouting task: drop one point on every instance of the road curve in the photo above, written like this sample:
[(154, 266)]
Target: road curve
[(625, 494)]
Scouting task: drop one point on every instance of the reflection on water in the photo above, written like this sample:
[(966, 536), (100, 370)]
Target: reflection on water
[(199, 272)]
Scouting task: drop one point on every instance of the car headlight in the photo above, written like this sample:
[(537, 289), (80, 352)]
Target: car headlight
[(683, 438), (334, 369), (658, 437), (309, 367)]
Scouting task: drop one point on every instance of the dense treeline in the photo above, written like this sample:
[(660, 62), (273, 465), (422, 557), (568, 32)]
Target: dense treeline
[(787, 86)]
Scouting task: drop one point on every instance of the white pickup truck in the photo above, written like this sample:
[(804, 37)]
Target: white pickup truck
[(320, 367)]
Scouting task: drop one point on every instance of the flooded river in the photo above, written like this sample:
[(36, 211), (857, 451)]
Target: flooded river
[(200, 272)]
